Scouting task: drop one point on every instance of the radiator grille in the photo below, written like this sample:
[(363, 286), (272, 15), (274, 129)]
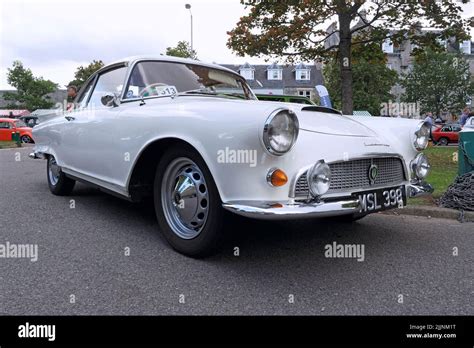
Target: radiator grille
[(353, 174)]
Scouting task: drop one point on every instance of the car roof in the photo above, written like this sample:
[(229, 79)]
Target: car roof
[(133, 59)]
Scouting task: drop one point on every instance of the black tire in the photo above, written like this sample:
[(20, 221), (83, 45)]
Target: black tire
[(25, 139), (348, 219), (443, 141), (210, 235), (63, 186)]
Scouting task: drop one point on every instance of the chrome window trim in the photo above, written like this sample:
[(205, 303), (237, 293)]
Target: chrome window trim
[(138, 61)]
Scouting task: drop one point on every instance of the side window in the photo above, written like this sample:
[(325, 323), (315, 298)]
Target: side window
[(456, 129), (4, 125), (108, 82), (446, 129), (82, 101)]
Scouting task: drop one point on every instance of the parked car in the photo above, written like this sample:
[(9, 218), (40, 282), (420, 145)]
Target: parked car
[(30, 120), (13, 125), (285, 98), (446, 134), (194, 137)]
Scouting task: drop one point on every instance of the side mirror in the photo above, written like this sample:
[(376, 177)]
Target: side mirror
[(109, 99)]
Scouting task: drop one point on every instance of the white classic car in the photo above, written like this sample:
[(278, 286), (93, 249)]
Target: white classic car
[(194, 137)]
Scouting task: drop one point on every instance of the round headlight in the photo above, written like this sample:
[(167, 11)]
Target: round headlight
[(280, 132), (422, 136), (420, 166), (319, 178)]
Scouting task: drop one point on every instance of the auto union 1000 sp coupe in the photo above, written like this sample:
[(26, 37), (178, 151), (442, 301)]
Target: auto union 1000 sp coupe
[(194, 138)]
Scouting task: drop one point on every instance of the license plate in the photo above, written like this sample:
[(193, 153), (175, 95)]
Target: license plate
[(382, 199)]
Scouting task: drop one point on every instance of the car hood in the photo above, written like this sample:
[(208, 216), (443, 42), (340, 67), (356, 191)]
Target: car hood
[(25, 129), (326, 123)]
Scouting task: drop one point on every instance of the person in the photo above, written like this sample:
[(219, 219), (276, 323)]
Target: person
[(429, 118), (71, 95), (464, 116)]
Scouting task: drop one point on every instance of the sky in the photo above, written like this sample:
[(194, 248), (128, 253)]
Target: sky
[(54, 37)]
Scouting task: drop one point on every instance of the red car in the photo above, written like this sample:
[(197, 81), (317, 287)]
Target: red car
[(446, 134), (11, 125)]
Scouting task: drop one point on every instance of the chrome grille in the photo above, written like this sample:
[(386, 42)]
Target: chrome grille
[(353, 174)]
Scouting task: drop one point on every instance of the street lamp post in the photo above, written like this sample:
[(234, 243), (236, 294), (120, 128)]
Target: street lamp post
[(188, 7)]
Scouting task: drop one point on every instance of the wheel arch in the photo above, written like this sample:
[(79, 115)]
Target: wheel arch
[(140, 180)]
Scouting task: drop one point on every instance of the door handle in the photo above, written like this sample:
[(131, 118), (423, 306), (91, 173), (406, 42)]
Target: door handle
[(69, 118)]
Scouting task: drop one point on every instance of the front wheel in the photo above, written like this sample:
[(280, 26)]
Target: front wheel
[(25, 139), (59, 184), (187, 203)]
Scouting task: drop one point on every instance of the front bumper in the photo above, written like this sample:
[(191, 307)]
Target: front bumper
[(300, 210), (419, 188), (295, 210)]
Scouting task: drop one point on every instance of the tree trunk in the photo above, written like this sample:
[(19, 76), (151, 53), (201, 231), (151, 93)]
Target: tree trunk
[(345, 63)]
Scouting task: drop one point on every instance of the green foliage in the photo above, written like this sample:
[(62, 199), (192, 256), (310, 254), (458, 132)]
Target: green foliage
[(440, 81), (295, 29), (182, 49), (31, 92), (84, 72), (372, 79)]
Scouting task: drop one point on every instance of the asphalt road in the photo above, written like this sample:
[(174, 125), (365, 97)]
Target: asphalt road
[(81, 252)]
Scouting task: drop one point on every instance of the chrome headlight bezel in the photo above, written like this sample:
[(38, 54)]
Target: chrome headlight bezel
[(269, 125), (322, 172), (422, 136), (420, 166)]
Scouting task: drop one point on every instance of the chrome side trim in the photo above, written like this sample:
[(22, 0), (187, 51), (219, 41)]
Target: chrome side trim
[(288, 210)]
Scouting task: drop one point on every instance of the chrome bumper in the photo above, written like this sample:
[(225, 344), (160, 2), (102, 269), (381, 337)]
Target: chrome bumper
[(36, 155), (296, 210), (300, 210), (417, 189)]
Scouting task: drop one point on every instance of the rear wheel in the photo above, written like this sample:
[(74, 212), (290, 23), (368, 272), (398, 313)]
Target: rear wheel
[(59, 184), (187, 203), (443, 141)]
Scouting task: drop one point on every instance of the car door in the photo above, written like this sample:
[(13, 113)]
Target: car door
[(5, 131), (88, 137)]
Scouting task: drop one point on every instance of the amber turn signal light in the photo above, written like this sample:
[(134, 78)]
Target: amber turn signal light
[(277, 177)]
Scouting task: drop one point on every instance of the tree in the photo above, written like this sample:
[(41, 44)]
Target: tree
[(440, 81), (372, 79), (183, 50), (31, 92), (83, 73), (293, 29)]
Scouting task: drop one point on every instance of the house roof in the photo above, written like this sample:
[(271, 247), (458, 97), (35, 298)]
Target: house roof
[(288, 77)]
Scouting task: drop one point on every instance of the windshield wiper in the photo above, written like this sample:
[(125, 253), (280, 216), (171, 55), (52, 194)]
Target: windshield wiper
[(199, 91)]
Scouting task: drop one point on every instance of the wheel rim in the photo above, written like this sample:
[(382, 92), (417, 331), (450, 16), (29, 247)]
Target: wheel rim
[(443, 141), (25, 139), (53, 171), (185, 198)]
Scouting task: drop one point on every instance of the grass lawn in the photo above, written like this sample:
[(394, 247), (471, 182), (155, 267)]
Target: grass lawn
[(444, 169), (7, 144)]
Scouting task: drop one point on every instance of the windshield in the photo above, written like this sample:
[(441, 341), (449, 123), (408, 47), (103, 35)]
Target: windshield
[(19, 124), (155, 79)]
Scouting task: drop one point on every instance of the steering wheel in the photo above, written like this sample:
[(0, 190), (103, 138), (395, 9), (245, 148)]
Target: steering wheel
[(147, 88)]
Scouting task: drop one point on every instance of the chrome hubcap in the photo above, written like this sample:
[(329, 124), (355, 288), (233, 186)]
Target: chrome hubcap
[(185, 198), (53, 171)]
